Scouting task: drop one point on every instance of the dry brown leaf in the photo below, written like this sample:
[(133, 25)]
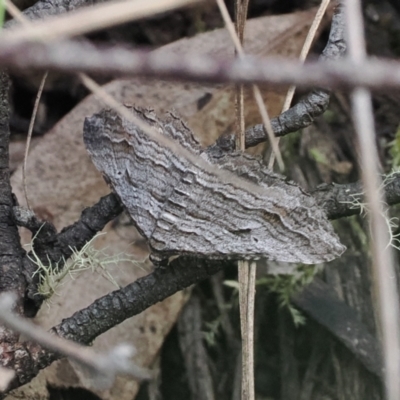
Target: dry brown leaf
[(62, 181)]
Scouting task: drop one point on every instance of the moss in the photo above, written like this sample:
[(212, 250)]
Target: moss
[(86, 258)]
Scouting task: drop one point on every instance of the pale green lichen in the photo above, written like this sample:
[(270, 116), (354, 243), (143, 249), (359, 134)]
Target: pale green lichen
[(87, 258), (391, 222)]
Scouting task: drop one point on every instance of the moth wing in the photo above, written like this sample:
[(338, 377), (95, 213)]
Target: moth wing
[(140, 171), (209, 218)]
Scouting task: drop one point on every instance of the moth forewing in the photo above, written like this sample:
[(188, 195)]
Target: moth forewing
[(183, 208)]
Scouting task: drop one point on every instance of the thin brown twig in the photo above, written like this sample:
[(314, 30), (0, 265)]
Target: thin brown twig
[(244, 287), (246, 290), (240, 15), (14, 11), (383, 271), (29, 137), (303, 54), (90, 19), (251, 301)]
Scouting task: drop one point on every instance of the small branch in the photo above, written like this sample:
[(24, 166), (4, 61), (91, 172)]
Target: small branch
[(297, 117), (29, 137), (102, 367), (110, 310), (93, 219), (340, 201), (121, 304), (121, 59)]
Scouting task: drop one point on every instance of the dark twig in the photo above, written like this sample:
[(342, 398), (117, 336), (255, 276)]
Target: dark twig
[(345, 200), (112, 309), (297, 117)]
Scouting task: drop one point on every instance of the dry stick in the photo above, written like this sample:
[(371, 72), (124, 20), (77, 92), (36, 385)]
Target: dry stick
[(241, 7), (257, 94), (303, 54), (16, 13), (246, 290), (384, 276), (251, 301), (30, 130), (120, 61), (241, 15), (92, 18), (104, 367)]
